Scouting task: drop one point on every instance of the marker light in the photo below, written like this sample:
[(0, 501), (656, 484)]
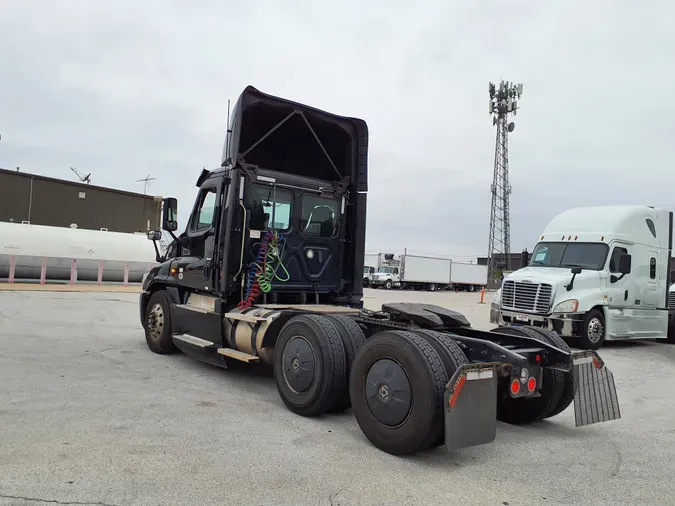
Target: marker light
[(531, 384)]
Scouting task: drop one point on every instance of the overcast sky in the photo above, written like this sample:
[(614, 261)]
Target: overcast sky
[(125, 89)]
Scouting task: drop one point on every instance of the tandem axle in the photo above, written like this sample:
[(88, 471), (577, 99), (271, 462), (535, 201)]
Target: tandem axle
[(415, 375)]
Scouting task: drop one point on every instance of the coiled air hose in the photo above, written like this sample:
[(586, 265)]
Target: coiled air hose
[(263, 270)]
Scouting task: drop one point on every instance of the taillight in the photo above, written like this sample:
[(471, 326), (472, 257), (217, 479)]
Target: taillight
[(531, 384), (515, 387)]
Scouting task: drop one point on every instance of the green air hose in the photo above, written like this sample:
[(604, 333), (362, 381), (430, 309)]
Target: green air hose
[(267, 272)]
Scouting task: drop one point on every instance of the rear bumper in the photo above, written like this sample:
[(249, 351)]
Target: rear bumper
[(565, 325)]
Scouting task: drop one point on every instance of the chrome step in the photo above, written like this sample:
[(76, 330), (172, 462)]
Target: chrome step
[(195, 341), (237, 355)]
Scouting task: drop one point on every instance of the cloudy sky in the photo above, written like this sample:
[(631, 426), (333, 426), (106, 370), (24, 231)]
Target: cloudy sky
[(125, 89)]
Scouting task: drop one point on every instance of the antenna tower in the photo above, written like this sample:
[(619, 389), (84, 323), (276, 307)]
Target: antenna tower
[(503, 101), (146, 182)]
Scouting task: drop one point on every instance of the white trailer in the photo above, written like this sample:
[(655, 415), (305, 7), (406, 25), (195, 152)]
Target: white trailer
[(469, 277), (425, 272)]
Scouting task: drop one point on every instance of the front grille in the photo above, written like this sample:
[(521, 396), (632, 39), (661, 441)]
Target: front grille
[(671, 300), (529, 297)]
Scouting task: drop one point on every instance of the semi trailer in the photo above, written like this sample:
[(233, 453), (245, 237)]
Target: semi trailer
[(269, 270), (596, 274)]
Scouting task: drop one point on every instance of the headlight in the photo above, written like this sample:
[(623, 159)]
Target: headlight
[(567, 306), (497, 297)]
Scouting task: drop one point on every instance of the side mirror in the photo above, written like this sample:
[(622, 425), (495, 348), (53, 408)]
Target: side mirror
[(576, 270), (625, 263), (154, 235), (170, 214)]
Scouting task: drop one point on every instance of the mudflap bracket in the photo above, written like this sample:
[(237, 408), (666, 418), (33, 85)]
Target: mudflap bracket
[(595, 398), (470, 405)]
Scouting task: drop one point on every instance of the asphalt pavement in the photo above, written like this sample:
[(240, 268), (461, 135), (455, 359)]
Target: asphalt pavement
[(89, 416)]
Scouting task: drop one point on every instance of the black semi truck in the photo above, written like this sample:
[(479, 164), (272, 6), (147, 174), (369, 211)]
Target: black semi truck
[(270, 269)]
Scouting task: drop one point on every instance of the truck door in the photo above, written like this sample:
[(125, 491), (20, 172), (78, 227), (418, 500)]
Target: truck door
[(201, 235), (621, 294)]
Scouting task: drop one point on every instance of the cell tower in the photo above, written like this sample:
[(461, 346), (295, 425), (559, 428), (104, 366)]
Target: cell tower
[(503, 101)]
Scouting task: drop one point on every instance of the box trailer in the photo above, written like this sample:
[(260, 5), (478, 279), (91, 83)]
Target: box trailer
[(469, 277)]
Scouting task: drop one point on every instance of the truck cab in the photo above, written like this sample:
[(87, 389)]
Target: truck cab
[(596, 274)]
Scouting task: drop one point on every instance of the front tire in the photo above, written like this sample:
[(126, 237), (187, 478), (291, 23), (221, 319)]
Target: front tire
[(309, 365), (593, 333), (158, 329), (388, 284)]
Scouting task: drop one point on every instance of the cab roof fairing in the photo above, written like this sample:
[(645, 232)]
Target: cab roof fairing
[(266, 131)]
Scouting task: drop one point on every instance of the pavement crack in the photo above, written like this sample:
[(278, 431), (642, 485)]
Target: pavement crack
[(55, 501)]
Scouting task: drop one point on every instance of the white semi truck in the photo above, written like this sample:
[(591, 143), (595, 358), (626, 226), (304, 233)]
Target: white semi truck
[(597, 274), (412, 272), (370, 264)]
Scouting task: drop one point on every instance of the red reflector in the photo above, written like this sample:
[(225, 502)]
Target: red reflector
[(515, 386), (597, 363), (458, 389), (538, 358), (531, 384)]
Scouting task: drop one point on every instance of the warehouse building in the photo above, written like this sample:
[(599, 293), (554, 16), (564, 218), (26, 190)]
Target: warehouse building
[(55, 202)]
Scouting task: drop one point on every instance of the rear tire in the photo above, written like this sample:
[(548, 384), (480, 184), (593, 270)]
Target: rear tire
[(352, 339), (309, 365), (158, 329), (568, 378), (529, 410), (452, 357), (396, 386)]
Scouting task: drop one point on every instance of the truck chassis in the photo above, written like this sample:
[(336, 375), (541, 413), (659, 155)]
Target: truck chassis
[(415, 375)]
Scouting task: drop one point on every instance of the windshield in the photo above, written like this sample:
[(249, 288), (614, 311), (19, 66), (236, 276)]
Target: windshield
[(386, 270), (586, 255)]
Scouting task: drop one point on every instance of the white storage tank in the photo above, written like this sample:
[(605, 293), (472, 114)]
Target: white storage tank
[(29, 244)]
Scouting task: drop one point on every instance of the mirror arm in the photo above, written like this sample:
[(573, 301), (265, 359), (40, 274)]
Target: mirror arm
[(158, 255)]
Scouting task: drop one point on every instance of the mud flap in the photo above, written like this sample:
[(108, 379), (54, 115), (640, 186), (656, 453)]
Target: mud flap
[(471, 406), (595, 398)]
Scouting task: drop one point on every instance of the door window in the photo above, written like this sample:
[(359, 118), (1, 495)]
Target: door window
[(203, 217), (269, 207), (616, 257)]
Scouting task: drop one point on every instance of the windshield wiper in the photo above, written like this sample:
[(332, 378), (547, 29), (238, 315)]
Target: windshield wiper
[(538, 262)]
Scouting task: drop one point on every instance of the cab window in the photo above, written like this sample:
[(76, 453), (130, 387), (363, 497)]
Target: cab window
[(616, 257), (203, 217), (319, 216), (269, 207)]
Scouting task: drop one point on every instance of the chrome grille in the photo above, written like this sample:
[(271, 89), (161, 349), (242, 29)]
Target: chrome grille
[(671, 300), (529, 297)]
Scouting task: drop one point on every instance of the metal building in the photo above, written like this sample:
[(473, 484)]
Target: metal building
[(44, 200)]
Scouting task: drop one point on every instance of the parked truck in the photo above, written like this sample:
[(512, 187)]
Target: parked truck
[(597, 274), (414, 272), (269, 269), (370, 264), (468, 277)]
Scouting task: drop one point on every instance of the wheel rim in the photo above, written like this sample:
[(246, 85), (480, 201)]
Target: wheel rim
[(299, 364), (388, 392), (156, 322), (595, 330)]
